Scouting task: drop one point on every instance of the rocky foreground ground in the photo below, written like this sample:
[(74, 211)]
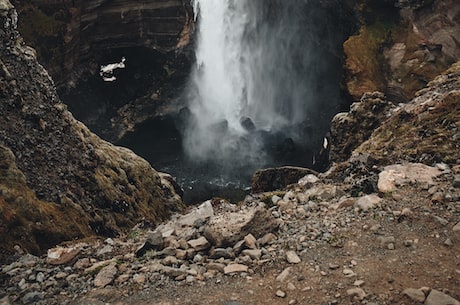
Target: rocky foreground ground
[(314, 243)]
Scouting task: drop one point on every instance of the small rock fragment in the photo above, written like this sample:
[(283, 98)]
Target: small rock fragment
[(154, 241), (292, 257), (441, 221), (250, 241), (253, 253), (456, 228), (438, 298), (416, 295), (32, 297), (139, 279), (60, 255), (233, 268), (283, 275), (270, 237), (105, 276), (5, 301), (367, 202), (280, 294), (357, 292), (199, 244)]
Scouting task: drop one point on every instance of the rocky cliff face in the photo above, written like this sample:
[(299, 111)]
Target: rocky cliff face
[(401, 46), (74, 38), (376, 133), (60, 181)]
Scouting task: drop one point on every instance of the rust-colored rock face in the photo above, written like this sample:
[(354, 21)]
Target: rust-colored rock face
[(58, 180), (401, 46)]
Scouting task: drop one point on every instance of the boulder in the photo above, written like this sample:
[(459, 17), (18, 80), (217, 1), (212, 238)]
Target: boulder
[(271, 179), (228, 228), (400, 174)]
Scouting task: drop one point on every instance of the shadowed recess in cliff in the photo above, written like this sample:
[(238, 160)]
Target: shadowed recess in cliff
[(265, 84)]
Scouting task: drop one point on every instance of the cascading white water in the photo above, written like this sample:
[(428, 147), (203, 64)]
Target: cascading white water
[(220, 82), (254, 86)]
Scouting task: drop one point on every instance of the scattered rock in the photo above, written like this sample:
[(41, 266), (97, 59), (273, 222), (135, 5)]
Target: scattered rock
[(234, 268), (308, 180), (253, 253), (154, 242), (61, 256), (250, 241), (270, 237), (202, 212), (443, 222), (139, 279), (416, 295), (105, 276), (32, 297), (438, 298), (5, 301), (280, 294), (368, 202), (292, 257), (199, 244), (229, 228), (456, 228), (359, 293), (283, 275)]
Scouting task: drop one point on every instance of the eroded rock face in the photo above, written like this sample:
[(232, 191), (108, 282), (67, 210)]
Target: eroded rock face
[(350, 129), (64, 171), (401, 46), (426, 129)]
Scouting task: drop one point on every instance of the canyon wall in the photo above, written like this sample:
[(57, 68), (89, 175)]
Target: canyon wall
[(58, 180), (74, 38)]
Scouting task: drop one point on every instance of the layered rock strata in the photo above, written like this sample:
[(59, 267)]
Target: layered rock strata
[(60, 181)]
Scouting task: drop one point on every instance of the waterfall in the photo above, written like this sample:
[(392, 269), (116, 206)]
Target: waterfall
[(258, 85)]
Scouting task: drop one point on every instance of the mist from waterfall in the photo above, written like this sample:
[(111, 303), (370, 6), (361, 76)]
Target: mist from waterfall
[(258, 84)]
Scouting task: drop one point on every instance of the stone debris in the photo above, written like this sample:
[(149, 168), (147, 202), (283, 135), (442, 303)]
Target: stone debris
[(105, 276), (216, 240), (283, 275), (368, 202), (61, 255), (359, 293), (292, 257), (280, 294), (233, 268)]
